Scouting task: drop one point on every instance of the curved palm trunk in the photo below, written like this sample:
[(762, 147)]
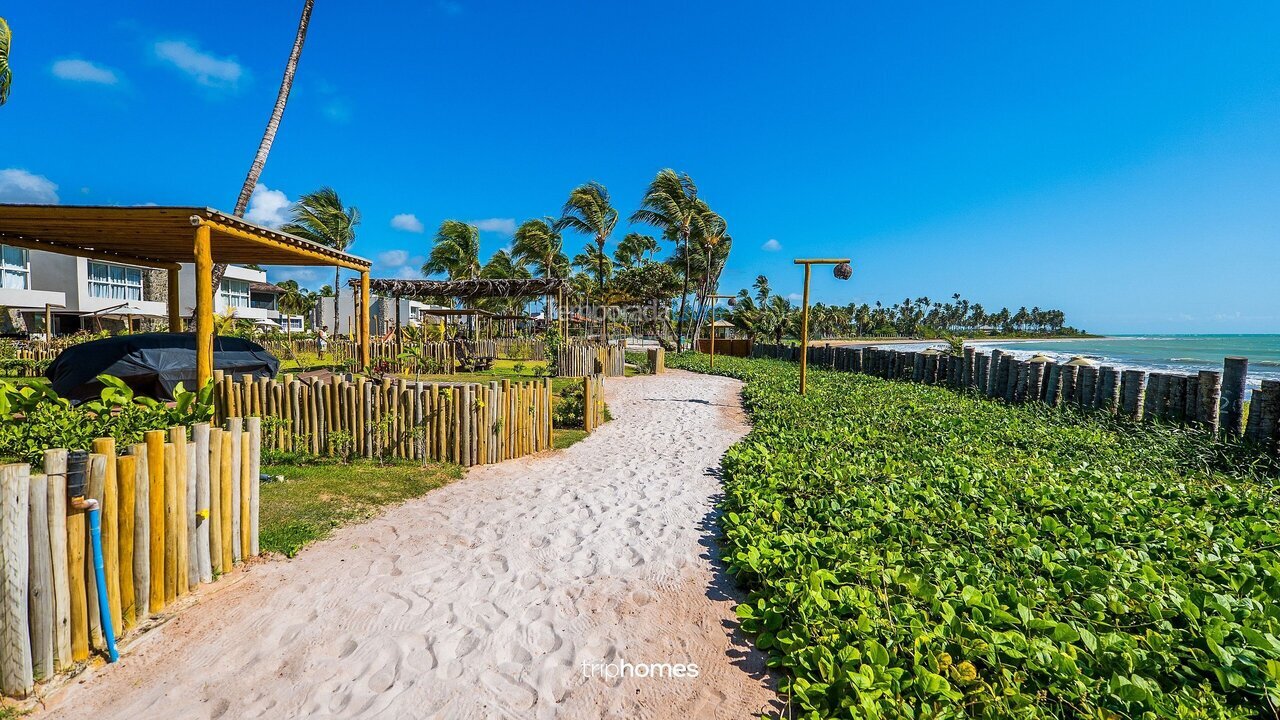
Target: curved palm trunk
[(604, 302), (684, 294), (273, 124)]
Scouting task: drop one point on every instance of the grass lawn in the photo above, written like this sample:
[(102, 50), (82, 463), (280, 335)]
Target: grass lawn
[(314, 499), (563, 438)]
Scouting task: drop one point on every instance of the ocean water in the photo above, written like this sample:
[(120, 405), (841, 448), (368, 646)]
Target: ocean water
[(1158, 353)]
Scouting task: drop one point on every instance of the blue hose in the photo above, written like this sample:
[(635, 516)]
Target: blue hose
[(104, 605)]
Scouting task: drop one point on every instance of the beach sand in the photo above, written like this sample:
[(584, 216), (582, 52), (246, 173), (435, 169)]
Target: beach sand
[(484, 598)]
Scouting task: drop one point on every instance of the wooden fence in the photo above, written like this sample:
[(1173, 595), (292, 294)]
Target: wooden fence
[(176, 511), (440, 353), (1210, 400), (27, 362), (466, 423), (729, 347), (592, 402), (657, 360), (579, 359)]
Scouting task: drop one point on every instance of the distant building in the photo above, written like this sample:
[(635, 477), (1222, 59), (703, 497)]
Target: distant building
[(382, 313), (244, 291)]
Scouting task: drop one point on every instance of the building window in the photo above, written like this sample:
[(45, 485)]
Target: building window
[(235, 293), (15, 268), (114, 282), (262, 301)]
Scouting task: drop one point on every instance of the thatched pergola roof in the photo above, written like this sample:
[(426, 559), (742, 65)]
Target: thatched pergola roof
[(466, 289)]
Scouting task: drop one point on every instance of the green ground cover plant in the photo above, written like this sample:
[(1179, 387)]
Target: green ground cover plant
[(913, 552)]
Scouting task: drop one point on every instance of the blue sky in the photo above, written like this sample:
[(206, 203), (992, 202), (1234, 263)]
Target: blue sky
[(1119, 163)]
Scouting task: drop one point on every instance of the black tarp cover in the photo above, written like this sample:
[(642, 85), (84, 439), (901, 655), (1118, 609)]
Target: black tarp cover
[(151, 363)]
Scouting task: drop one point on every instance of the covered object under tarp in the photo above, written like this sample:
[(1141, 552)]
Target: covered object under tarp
[(151, 363)]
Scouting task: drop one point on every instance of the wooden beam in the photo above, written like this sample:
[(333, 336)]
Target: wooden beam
[(204, 306), (105, 256), (175, 303), (326, 257), (364, 320)]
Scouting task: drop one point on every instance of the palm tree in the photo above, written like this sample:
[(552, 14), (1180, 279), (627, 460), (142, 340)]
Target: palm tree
[(505, 265), (6, 75), (456, 252), (671, 204), (713, 238), (273, 124), (633, 249), (294, 301), (590, 212), (321, 218), (538, 243)]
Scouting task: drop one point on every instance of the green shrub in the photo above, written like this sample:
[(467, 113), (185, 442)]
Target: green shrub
[(569, 408), (915, 552)]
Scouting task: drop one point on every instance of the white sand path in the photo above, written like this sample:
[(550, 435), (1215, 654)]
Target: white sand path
[(483, 598)]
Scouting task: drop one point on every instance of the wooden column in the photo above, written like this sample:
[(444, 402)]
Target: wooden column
[(175, 304), (804, 331), (364, 320), (1234, 372), (204, 306)]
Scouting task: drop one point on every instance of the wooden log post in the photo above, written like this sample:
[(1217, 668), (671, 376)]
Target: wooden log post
[(1160, 399), (192, 568), (96, 472), (1210, 382), (1150, 395), (55, 467), (215, 501), (1109, 390), (226, 481), (243, 509), (1175, 398), (255, 484), (141, 532), (1035, 382), (200, 433), (1264, 412), (15, 565), (235, 429), (1132, 393), (1070, 376), (171, 475), (110, 521), (1191, 408), (993, 377), (155, 520), (127, 477), (40, 589), (1235, 371)]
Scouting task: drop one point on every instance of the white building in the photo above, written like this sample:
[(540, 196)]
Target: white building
[(382, 313), (82, 294)]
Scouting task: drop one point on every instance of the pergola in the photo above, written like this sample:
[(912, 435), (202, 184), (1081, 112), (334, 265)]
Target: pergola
[(466, 290), (165, 237)]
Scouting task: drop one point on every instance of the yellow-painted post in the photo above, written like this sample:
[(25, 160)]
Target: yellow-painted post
[(204, 305), (175, 303), (155, 479), (364, 320)]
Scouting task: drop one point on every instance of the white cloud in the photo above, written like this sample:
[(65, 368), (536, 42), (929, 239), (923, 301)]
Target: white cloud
[(408, 272), (267, 207), (505, 226), (84, 71), (305, 276), (393, 257), (20, 186), (795, 297), (771, 245), (407, 222), (204, 68)]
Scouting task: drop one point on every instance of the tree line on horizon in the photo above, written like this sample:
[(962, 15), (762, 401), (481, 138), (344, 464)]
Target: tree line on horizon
[(762, 313)]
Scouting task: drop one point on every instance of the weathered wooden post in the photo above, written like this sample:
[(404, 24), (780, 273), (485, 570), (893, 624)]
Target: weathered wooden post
[(1070, 374), (966, 372), (1132, 393), (40, 591), (1035, 381), (1149, 413), (1175, 399), (982, 375), (1263, 413), (1210, 382), (1191, 408), (55, 467), (993, 374), (1053, 393), (1235, 371), (15, 565), (1008, 377), (1109, 394), (917, 366)]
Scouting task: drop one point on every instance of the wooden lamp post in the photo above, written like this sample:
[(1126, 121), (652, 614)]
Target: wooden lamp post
[(842, 272), (713, 299)]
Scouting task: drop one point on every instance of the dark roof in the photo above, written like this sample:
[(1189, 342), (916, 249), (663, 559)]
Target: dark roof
[(264, 287), (464, 289)]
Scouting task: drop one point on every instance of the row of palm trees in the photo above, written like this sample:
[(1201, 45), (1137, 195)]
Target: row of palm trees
[(763, 313), (632, 275)]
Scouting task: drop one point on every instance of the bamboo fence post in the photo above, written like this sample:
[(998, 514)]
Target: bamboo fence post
[(126, 476), (155, 478), (110, 521), (15, 565), (214, 458), (40, 591), (171, 475), (55, 467), (142, 532), (96, 471), (226, 481), (255, 476), (200, 433), (1235, 371), (235, 427), (192, 568)]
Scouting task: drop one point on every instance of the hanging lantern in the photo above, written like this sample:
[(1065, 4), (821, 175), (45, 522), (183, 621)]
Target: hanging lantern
[(843, 271)]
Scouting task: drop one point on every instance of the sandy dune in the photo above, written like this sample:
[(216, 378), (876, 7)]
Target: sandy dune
[(485, 598)]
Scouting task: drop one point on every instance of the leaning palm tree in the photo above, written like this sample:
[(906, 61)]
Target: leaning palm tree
[(538, 243), (273, 124), (6, 75), (589, 211), (456, 252), (671, 204), (506, 266), (321, 218), (633, 248), (713, 239)]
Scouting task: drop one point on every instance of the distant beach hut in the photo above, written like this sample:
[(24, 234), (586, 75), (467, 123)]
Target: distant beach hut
[(1041, 358), (1081, 361)]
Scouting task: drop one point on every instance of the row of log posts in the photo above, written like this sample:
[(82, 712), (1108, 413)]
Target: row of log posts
[(467, 423), (593, 402), (1210, 400), (581, 359), (157, 524)]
